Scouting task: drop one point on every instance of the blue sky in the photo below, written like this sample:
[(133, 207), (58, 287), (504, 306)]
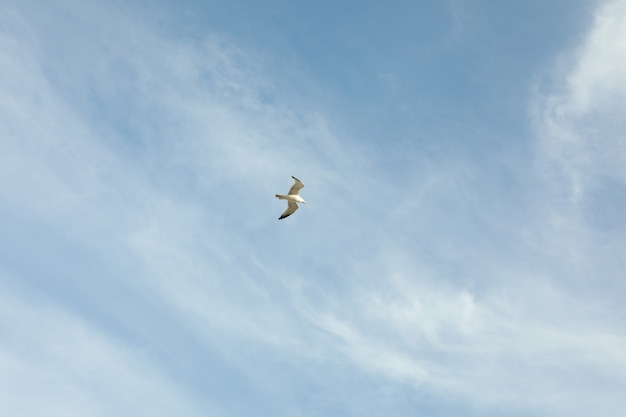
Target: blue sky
[(461, 252)]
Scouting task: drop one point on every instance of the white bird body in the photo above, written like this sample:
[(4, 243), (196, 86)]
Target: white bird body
[(292, 198)]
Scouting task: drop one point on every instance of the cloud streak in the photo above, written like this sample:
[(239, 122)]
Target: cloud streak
[(140, 244)]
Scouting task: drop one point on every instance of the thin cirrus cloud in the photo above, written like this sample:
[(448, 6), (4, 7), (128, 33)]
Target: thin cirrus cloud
[(140, 242), (581, 150)]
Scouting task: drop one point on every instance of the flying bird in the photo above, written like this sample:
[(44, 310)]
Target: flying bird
[(292, 198)]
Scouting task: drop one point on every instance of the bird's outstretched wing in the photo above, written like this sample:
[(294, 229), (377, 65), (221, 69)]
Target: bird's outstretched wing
[(296, 187), (291, 208)]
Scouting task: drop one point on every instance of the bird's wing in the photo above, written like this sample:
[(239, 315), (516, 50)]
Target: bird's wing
[(291, 208), (296, 187)]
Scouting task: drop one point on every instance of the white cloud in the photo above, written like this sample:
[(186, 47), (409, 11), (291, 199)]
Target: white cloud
[(524, 344), (159, 158), (581, 124), (541, 330), (55, 363), (579, 121), (126, 156), (597, 83)]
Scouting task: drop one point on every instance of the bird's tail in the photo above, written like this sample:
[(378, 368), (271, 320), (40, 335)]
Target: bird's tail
[(281, 197)]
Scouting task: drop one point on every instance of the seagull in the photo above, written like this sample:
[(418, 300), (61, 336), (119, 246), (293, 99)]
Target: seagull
[(292, 198)]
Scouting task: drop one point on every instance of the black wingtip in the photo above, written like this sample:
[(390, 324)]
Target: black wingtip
[(295, 178)]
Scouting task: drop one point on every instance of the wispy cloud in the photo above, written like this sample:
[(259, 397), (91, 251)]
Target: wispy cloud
[(57, 364), (140, 240), (128, 164), (581, 122)]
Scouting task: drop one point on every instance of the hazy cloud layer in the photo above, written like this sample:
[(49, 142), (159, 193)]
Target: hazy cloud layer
[(143, 270)]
